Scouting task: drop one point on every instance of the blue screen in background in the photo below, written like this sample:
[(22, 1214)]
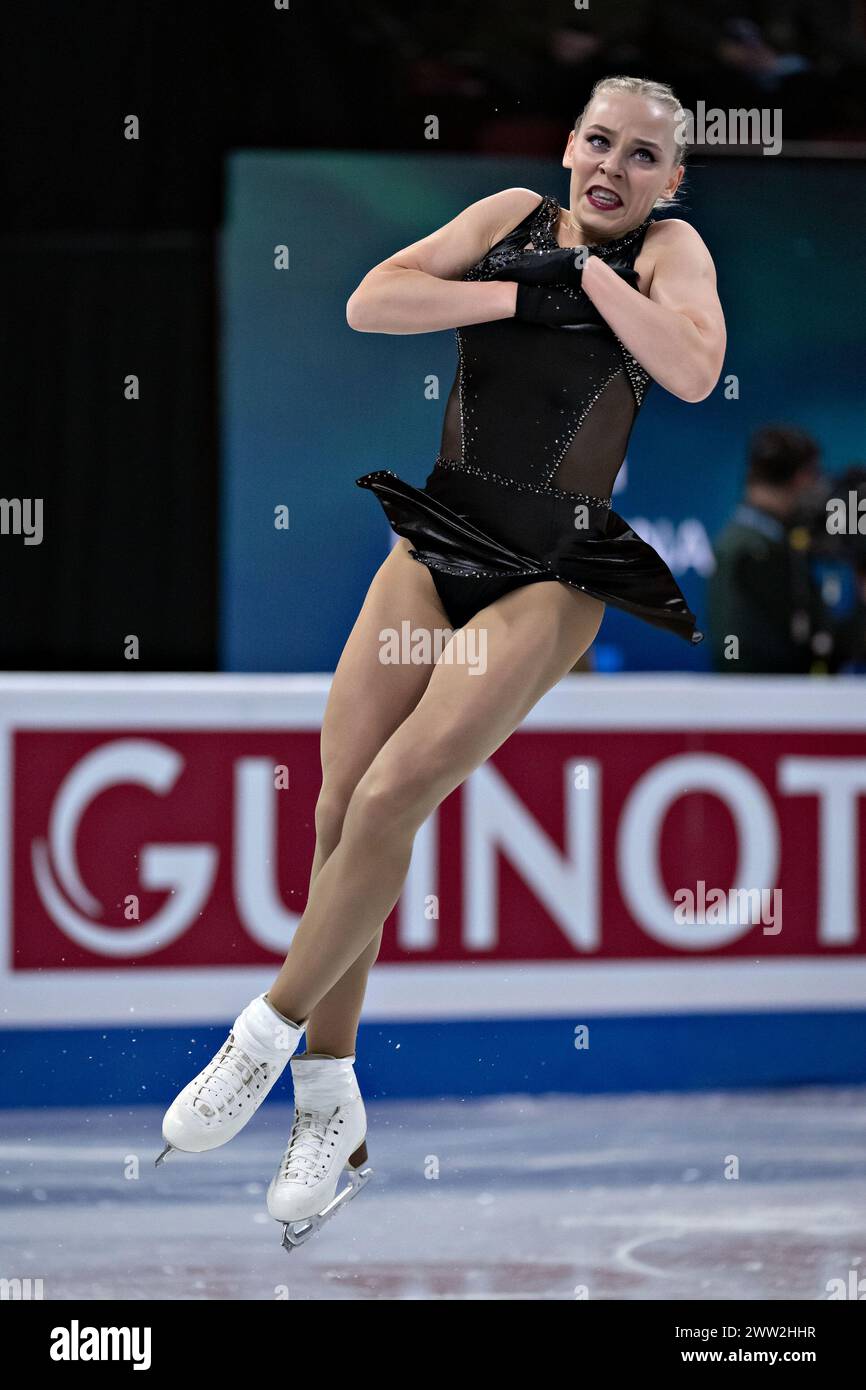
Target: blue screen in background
[(308, 404)]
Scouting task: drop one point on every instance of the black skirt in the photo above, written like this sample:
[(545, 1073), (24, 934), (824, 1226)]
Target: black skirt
[(480, 537)]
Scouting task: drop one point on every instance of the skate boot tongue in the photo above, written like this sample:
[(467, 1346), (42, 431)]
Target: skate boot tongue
[(264, 1034), (324, 1083)]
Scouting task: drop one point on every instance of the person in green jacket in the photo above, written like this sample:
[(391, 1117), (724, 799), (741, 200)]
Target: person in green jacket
[(766, 614)]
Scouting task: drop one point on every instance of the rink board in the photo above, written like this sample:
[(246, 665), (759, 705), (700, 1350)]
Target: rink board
[(156, 834)]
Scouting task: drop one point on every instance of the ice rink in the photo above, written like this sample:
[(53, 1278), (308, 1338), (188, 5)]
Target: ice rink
[(620, 1197)]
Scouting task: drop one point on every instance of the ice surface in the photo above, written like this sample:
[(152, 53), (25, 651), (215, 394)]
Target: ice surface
[(620, 1197)]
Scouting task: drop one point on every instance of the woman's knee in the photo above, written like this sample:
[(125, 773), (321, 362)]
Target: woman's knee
[(383, 796), (392, 798), (331, 806)]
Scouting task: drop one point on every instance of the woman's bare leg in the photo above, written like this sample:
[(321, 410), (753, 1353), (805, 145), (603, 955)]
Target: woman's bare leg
[(534, 636), (367, 701)]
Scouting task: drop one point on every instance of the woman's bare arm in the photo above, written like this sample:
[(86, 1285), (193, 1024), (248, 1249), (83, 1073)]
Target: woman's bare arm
[(677, 332), (419, 289)]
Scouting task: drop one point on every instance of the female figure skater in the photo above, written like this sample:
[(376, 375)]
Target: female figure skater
[(512, 533)]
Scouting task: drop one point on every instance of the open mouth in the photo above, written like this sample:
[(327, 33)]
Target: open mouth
[(603, 198)]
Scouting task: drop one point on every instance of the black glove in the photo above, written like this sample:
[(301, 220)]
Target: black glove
[(562, 308), (561, 267)]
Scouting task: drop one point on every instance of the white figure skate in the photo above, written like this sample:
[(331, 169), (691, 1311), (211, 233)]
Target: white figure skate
[(213, 1107), (327, 1140)]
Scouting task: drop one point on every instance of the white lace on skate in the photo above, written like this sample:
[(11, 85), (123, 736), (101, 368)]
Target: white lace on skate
[(302, 1160), (231, 1075)]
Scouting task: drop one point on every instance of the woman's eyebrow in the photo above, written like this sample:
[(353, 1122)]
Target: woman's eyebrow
[(607, 131)]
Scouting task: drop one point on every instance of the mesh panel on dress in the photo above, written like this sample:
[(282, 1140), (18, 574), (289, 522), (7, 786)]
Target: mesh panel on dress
[(595, 454), (451, 446)]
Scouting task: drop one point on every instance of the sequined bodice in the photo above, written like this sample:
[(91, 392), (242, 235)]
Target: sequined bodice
[(539, 408)]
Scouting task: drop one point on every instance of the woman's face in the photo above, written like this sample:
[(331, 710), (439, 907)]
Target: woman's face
[(622, 158)]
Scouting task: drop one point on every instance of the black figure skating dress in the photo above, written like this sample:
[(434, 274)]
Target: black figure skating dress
[(535, 432)]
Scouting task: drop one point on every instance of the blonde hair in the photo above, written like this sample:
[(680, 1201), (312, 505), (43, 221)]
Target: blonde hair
[(653, 91)]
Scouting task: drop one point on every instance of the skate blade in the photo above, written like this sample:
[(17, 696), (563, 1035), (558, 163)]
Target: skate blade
[(164, 1155), (297, 1233)]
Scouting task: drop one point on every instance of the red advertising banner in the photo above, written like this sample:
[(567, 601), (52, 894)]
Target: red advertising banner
[(192, 847)]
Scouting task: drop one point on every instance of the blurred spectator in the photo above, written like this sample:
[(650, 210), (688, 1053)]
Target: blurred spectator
[(767, 612)]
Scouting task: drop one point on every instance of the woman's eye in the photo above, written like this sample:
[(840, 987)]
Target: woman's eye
[(644, 154)]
